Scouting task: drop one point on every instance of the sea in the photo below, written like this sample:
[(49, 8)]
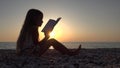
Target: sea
[(70, 45)]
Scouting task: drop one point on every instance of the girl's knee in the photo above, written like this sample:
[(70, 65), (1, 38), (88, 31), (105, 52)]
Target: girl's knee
[(51, 40)]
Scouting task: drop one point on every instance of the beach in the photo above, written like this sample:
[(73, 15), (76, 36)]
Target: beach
[(87, 58)]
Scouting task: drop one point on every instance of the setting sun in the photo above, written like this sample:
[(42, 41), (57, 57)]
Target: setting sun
[(52, 34), (56, 34)]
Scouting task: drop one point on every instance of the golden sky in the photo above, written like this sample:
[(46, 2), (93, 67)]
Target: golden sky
[(82, 20)]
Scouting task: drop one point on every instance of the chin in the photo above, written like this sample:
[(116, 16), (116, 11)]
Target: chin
[(39, 25)]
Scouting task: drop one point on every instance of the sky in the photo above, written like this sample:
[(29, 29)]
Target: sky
[(82, 20)]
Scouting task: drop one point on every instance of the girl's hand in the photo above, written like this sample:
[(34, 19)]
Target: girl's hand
[(42, 42), (47, 35)]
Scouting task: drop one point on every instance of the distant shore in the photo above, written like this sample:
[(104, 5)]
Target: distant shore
[(87, 58)]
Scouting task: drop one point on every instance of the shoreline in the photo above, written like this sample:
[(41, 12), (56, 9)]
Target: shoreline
[(87, 58)]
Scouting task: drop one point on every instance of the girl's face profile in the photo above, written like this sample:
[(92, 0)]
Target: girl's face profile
[(39, 21)]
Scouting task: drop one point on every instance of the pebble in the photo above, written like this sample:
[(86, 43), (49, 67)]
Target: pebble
[(89, 58)]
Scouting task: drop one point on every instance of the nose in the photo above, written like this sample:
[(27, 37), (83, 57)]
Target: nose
[(41, 23)]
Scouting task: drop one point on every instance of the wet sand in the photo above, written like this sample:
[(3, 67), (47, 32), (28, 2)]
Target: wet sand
[(87, 58)]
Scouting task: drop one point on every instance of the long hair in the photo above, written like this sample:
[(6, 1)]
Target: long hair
[(29, 27)]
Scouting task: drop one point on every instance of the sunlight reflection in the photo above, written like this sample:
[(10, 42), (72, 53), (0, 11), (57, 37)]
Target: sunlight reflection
[(51, 47), (52, 34)]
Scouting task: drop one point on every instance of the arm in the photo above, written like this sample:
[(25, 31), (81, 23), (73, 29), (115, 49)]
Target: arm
[(45, 38)]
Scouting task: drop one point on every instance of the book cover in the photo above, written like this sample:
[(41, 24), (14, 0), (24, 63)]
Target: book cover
[(50, 25)]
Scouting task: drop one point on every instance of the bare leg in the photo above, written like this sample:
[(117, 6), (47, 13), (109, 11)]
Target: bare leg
[(61, 48), (52, 42), (43, 48), (58, 46)]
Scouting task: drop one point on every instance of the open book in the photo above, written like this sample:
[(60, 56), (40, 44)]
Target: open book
[(50, 25)]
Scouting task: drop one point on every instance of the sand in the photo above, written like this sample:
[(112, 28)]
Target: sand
[(87, 58)]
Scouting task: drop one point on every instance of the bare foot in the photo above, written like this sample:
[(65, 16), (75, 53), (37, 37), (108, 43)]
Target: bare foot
[(76, 52)]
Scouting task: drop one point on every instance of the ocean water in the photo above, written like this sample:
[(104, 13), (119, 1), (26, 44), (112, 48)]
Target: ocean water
[(71, 45)]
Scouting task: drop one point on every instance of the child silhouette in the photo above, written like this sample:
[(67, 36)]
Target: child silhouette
[(28, 43)]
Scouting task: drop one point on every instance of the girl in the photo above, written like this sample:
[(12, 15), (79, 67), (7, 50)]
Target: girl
[(28, 41)]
